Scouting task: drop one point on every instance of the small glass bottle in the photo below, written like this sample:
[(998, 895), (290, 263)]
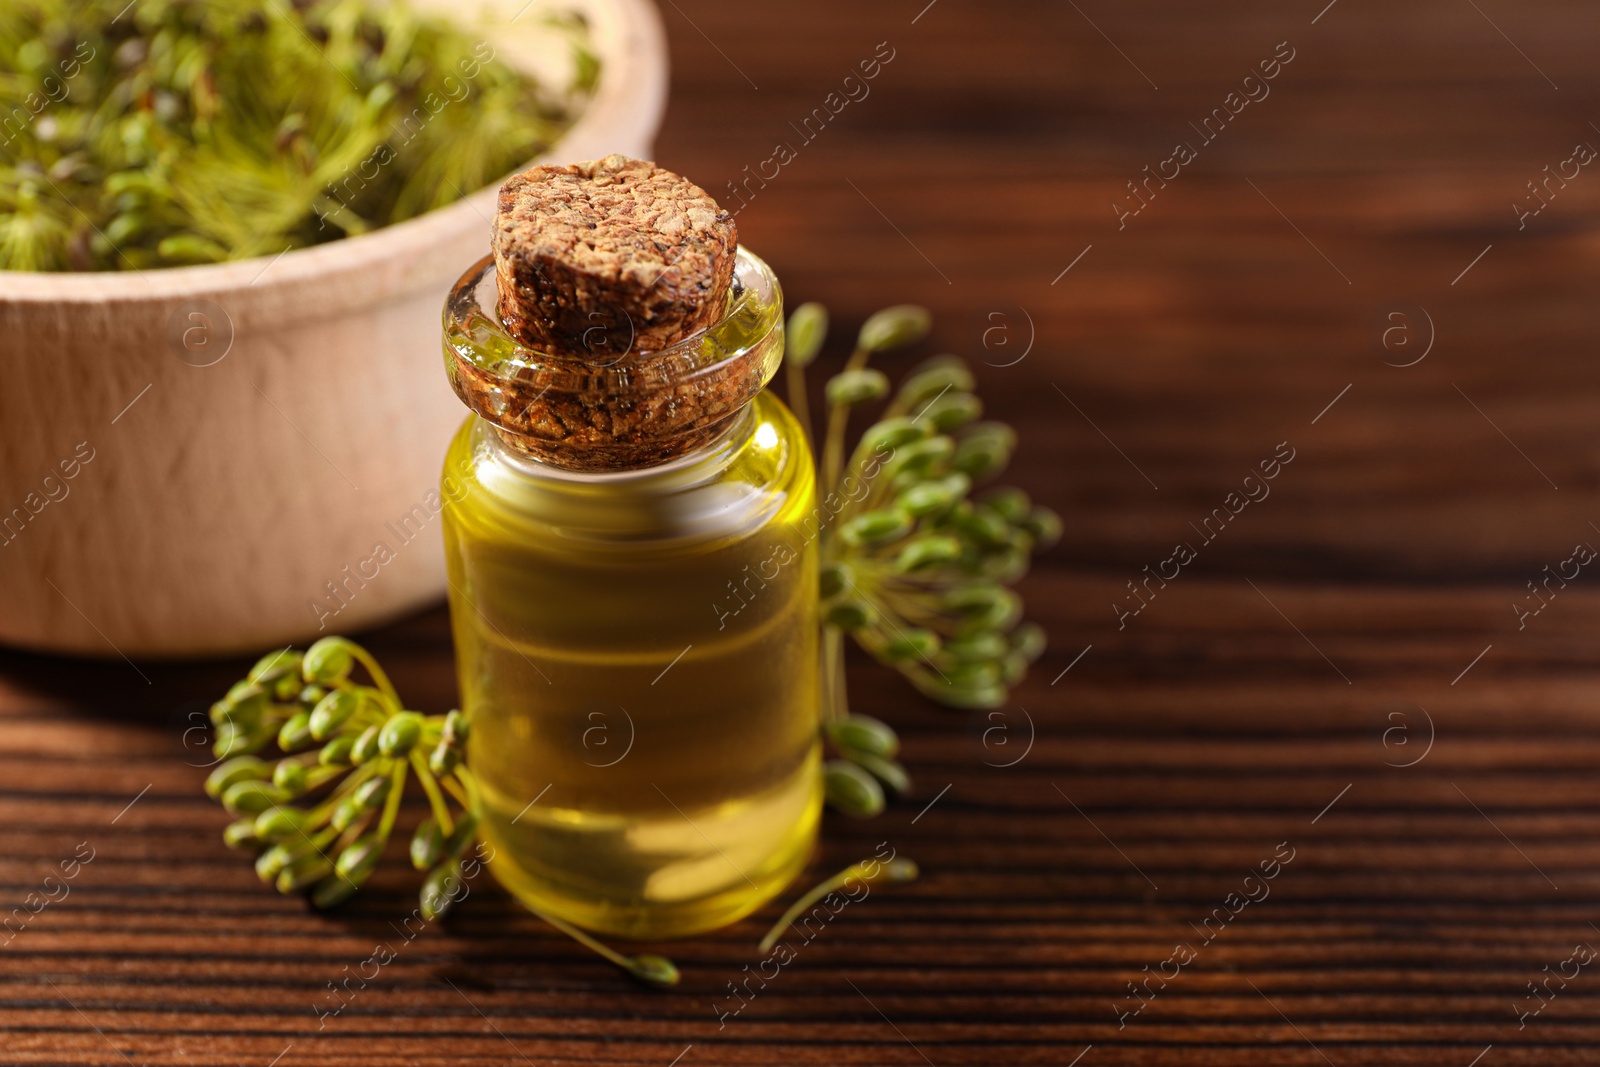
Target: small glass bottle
[(637, 644)]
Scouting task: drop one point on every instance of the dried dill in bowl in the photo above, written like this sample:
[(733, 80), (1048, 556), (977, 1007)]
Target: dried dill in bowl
[(164, 133)]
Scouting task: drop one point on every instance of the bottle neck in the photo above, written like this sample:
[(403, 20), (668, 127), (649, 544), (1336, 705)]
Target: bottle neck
[(694, 457), (760, 464), (641, 412)]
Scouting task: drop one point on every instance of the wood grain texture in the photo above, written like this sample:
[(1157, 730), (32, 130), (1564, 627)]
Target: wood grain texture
[(1271, 693)]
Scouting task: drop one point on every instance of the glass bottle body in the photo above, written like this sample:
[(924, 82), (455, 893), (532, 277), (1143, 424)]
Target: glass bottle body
[(638, 658)]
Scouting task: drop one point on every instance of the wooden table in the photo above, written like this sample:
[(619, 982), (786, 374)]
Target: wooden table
[(1338, 685)]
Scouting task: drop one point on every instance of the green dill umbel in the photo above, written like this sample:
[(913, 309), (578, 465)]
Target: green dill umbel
[(320, 817), (172, 132), (915, 567)]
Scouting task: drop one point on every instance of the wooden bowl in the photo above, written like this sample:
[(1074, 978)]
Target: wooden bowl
[(231, 457)]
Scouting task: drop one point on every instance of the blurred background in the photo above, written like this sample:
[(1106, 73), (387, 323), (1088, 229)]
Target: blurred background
[(1370, 270)]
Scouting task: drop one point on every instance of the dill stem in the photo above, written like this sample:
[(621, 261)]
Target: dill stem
[(795, 381), (384, 685), (838, 415), (391, 806), (441, 811)]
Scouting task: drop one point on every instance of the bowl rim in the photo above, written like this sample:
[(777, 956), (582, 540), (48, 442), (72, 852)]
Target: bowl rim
[(627, 106)]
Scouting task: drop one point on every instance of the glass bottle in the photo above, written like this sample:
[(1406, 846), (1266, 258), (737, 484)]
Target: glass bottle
[(637, 647)]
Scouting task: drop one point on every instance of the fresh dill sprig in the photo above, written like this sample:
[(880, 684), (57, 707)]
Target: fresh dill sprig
[(914, 568), (350, 749)]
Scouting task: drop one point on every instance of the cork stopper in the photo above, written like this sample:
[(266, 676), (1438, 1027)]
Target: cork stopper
[(624, 329), (597, 260)]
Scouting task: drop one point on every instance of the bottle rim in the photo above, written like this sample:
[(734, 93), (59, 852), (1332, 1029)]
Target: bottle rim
[(614, 413), (473, 334)]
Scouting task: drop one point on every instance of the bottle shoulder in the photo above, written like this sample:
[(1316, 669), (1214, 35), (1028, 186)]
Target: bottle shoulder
[(759, 474)]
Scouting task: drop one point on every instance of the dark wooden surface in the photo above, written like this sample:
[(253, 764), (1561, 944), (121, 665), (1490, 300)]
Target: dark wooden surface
[(1271, 693)]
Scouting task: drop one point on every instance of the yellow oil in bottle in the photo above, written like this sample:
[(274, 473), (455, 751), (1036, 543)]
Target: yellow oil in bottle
[(638, 656)]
